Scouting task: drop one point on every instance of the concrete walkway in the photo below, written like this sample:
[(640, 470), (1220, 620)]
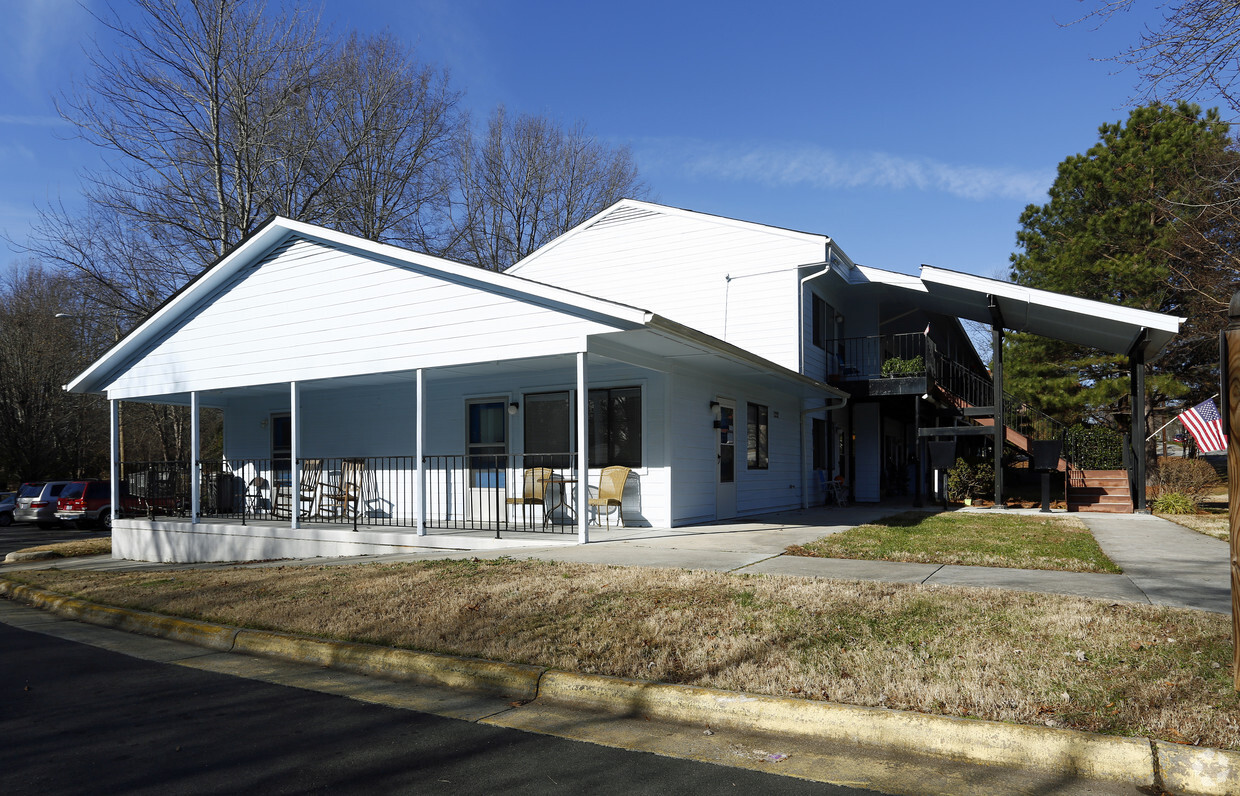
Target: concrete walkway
[(1163, 563)]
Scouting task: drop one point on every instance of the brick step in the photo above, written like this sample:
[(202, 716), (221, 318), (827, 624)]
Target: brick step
[(1100, 491), (1100, 499), (1110, 508), (1098, 481)]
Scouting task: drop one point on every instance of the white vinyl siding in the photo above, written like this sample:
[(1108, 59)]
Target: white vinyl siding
[(735, 282), (309, 311), (693, 445)]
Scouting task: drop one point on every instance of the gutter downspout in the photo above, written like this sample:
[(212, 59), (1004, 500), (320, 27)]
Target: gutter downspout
[(826, 268)]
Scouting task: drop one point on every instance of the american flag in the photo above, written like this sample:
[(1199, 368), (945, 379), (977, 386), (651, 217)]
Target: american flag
[(1204, 423)]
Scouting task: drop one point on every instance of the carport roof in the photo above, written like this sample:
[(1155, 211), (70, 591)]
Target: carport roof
[(1108, 327)]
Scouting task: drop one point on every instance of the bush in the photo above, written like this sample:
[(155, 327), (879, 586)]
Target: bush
[(967, 480), (1174, 503), (1190, 478), (904, 367)]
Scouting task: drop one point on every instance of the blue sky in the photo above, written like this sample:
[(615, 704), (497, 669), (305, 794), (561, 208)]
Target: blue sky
[(911, 132)]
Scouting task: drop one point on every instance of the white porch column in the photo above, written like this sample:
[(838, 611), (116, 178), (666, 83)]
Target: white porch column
[(419, 487), (294, 412), (583, 452), (114, 422), (195, 453)]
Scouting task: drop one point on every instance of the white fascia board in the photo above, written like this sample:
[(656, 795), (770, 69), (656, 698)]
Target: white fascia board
[(1087, 307), (865, 274), (278, 228)]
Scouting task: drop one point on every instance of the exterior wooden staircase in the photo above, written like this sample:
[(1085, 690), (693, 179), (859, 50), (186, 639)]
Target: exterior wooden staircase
[(1011, 435), (1099, 490)]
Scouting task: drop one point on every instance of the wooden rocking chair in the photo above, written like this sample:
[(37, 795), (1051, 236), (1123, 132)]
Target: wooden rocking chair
[(342, 499), (307, 488)]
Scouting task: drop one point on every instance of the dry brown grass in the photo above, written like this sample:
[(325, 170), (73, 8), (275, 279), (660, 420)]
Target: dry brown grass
[(78, 547), (1216, 525), (1036, 659)]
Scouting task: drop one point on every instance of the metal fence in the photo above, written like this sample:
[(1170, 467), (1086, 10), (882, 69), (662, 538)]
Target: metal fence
[(530, 492)]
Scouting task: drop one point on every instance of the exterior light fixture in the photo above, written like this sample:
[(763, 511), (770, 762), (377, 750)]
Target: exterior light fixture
[(513, 408)]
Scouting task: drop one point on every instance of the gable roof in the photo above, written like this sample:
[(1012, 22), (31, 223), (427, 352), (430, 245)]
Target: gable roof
[(276, 233), (628, 209)]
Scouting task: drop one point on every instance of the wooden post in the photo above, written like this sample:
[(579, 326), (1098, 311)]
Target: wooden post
[(1229, 366)]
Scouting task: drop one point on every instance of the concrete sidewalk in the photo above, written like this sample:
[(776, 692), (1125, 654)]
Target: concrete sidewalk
[(1163, 563)]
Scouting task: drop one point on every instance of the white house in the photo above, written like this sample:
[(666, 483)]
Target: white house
[(376, 399)]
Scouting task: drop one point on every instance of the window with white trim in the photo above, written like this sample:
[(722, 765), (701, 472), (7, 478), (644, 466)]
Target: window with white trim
[(757, 456)]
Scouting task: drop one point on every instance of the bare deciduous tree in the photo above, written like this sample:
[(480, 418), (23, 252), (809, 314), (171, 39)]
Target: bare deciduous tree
[(44, 431), (530, 180), (1193, 54), (215, 114)]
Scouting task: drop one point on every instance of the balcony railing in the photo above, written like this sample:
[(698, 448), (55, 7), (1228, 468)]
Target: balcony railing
[(895, 355), (875, 356), (527, 492)]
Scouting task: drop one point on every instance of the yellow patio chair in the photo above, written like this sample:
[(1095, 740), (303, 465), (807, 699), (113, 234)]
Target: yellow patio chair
[(533, 491), (611, 493)]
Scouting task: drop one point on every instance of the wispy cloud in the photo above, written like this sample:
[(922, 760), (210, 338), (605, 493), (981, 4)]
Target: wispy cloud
[(814, 166), (32, 120)]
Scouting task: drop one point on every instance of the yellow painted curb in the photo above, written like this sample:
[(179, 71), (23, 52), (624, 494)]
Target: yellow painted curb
[(987, 742), (472, 674), (1194, 770), (203, 634)]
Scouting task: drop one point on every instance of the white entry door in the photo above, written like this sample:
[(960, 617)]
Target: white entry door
[(725, 449)]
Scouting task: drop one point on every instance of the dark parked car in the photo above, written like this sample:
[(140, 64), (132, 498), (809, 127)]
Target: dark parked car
[(8, 501), (36, 502)]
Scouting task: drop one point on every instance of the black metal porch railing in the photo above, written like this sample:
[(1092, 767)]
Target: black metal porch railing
[(375, 491), (530, 492), (155, 488)]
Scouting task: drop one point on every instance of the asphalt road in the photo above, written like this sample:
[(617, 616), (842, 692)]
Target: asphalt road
[(20, 535), (80, 719), (17, 536)]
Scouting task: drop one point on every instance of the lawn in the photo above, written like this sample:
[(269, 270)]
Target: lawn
[(79, 547), (1038, 659), (1216, 524), (982, 539)]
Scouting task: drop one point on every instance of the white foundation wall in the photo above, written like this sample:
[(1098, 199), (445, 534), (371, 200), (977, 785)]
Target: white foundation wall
[(177, 541)]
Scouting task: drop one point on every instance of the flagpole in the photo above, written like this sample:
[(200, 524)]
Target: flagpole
[(1229, 377), (1172, 420)]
